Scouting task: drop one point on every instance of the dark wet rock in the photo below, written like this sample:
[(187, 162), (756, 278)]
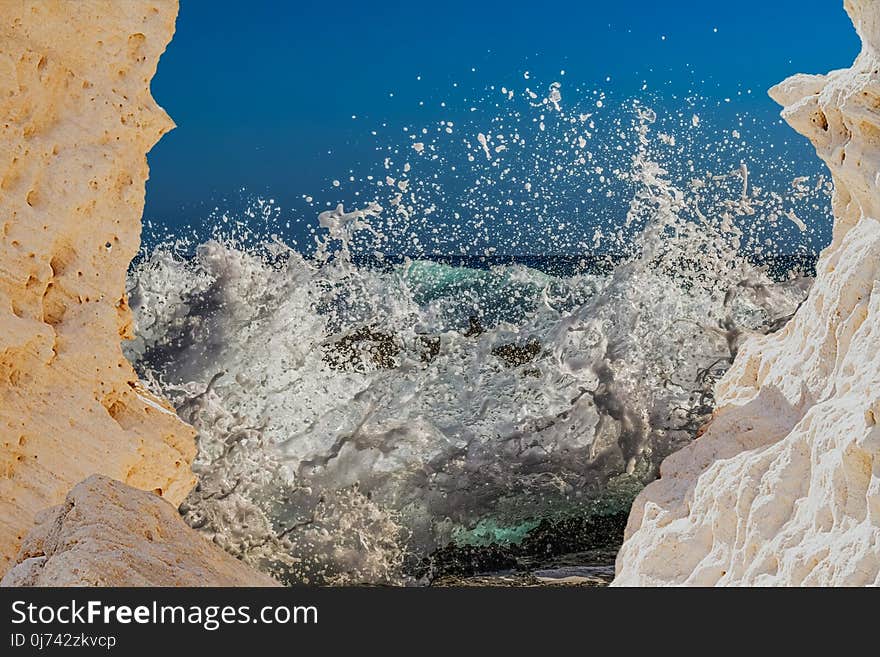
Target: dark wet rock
[(466, 560), (429, 347), (574, 534), (514, 354), (363, 348), (475, 327)]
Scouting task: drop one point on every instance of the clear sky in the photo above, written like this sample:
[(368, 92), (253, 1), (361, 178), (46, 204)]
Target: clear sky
[(263, 92)]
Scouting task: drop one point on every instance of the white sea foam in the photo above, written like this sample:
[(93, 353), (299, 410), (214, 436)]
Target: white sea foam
[(352, 414)]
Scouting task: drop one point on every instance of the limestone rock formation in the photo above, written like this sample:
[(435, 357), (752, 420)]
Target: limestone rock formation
[(784, 487), (108, 534), (77, 121)]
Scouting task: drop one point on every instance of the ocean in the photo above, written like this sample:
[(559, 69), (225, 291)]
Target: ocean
[(369, 417)]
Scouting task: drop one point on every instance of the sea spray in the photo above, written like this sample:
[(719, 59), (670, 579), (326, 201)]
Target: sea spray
[(358, 410)]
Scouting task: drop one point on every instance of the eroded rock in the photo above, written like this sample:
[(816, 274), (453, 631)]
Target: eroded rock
[(784, 486), (109, 534), (78, 119)]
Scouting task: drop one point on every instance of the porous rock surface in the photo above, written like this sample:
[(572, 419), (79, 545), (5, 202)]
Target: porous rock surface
[(76, 121)]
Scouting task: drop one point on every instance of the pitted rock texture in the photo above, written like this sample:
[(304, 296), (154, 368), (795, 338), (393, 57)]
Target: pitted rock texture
[(76, 121)]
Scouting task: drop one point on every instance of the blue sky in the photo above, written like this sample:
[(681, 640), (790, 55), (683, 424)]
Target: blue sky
[(263, 92)]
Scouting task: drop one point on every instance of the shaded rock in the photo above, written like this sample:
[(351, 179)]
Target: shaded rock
[(109, 534)]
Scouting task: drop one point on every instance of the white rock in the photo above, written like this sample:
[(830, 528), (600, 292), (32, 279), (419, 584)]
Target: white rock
[(784, 487)]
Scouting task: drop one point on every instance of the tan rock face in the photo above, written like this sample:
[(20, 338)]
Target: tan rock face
[(76, 121), (784, 487), (108, 534)]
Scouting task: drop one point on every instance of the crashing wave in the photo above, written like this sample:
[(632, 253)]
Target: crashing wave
[(355, 413)]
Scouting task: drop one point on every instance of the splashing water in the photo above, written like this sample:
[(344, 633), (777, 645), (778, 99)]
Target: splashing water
[(358, 408)]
